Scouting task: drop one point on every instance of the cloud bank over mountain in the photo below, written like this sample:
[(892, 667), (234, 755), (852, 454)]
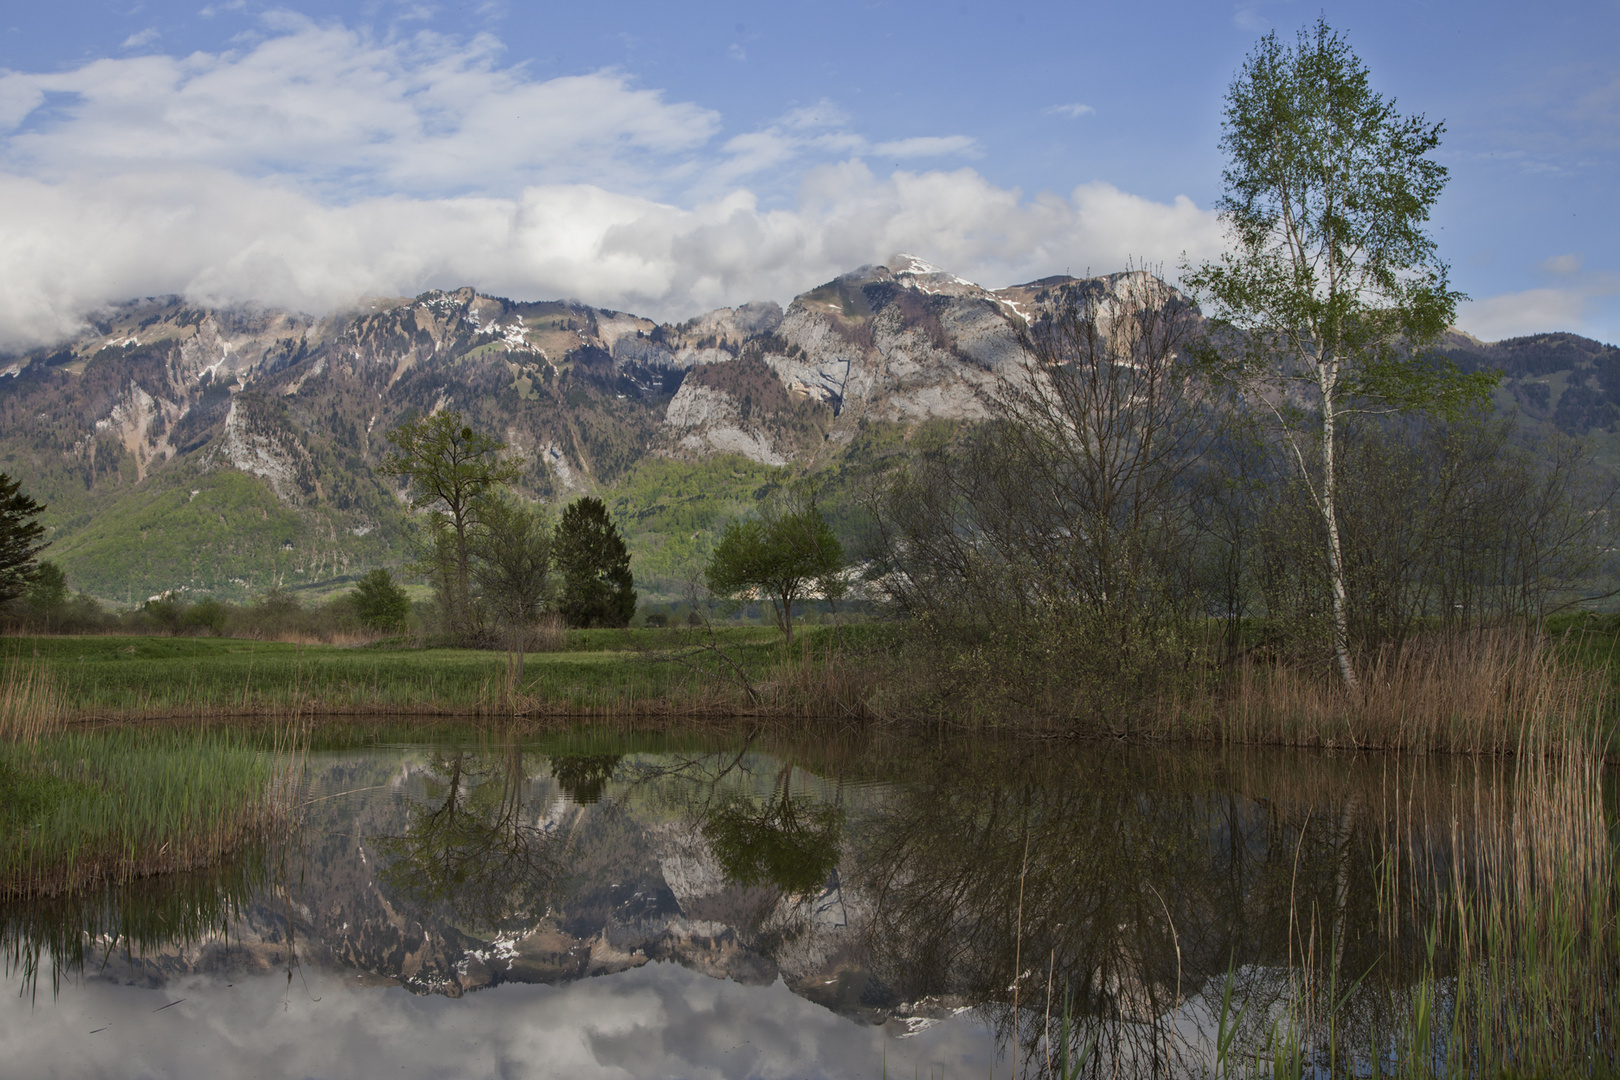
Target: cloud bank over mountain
[(314, 164)]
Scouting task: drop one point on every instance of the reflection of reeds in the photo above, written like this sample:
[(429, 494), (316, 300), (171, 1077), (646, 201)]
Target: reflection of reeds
[(1532, 924)]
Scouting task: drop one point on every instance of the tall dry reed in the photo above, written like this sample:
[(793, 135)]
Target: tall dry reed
[(30, 704), (1473, 692)]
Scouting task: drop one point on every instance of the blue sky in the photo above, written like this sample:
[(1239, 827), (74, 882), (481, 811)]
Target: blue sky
[(668, 159)]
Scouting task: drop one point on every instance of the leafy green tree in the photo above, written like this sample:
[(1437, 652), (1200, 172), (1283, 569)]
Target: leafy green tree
[(380, 603), (597, 587), (782, 556), (452, 470), (19, 538), (512, 567), (1333, 286), (206, 614), (47, 593)]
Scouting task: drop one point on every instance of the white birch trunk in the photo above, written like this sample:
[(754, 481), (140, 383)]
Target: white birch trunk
[(1328, 505)]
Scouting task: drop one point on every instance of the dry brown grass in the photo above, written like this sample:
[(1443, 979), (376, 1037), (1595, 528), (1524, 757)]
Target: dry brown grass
[(30, 705), (1477, 692)]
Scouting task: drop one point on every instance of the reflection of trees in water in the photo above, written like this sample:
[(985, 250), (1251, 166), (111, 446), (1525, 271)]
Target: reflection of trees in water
[(785, 841), (583, 777), (1144, 880), (468, 846)]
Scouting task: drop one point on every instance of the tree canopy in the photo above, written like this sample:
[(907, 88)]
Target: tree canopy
[(1331, 283), (512, 566), (380, 603), (452, 470), (781, 556)]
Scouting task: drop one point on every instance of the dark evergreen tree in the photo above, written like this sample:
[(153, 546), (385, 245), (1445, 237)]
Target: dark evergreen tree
[(380, 603), (598, 589), (19, 538)]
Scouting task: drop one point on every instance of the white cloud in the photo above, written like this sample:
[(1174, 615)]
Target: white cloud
[(1537, 311), (1570, 303), (135, 41), (1073, 110), (1564, 265), (659, 1020), (70, 247), (319, 165), (329, 106), (929, 146)]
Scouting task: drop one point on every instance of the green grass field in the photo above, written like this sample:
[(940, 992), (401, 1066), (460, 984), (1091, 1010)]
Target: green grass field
[(601, 671)]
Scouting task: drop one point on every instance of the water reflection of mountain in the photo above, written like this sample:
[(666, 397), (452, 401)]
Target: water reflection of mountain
[(451, 871), (924, 881)]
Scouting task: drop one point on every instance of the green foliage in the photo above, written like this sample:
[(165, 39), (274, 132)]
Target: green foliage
[(47, 591), (512, 559), (468, 845), (584, 777), (207, 615), (790, 843), (780, 555), (20, 534), (598, 589), (380, 603), (453, 470), (1333, 290), (1327, 192)]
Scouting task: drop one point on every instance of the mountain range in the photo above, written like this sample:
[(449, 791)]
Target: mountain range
[(228, 450)]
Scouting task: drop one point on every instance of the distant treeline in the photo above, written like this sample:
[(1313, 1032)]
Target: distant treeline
[(377, 607)]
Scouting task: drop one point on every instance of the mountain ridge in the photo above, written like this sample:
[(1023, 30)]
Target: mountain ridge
[(227, 450)]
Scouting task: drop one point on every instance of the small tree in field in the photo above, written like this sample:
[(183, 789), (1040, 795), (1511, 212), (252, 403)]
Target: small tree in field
[(452, 469), (780, 556), (380, 603), (1332, 284), (512, 566)]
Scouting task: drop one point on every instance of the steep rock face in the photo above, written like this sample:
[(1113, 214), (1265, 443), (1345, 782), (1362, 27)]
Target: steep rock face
[(900, 342)]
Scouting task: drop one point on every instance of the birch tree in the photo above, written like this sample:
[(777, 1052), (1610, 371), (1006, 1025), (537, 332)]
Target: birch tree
[(1332, 290)]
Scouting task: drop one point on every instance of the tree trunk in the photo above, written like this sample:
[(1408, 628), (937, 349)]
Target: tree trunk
[(786, 615), (517, 652), (1328, 504)]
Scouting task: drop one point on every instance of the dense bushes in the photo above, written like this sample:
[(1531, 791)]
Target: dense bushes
[(1119, 532)]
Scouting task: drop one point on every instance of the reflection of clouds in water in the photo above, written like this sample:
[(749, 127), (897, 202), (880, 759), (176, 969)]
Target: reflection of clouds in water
[(660, 1020)]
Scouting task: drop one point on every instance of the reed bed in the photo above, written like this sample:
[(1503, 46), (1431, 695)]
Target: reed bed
[(80, 807), (29, 703), (1473, 692)]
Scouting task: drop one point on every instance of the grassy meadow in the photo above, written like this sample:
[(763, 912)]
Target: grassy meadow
[(598, 672)]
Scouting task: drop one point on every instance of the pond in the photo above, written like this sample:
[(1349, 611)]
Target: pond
[(597, 905)]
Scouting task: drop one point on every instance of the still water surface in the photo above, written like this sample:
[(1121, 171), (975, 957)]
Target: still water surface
[(594, 906)]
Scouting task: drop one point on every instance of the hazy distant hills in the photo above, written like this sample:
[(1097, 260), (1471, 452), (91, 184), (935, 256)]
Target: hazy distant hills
[(224, 451)]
